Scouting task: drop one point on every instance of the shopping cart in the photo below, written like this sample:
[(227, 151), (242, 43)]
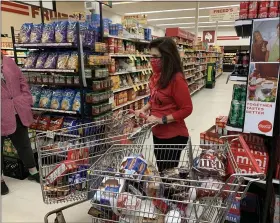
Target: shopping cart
[(65, 155), (126, 187)]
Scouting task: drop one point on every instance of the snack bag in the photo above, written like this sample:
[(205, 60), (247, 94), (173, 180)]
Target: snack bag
[(36, 33), (36, 95), (24, 33), (77, 102), (71, 32), (61, 31), (36, 119), (41, 60), (90, 37), (73, 61), (44, 123), (62, 60), (45, 100), (83, 31), (68, 99), (57, 97), (56, 123), (69, 124), (134, 166), (48, 33), (51, 61), (30, 61)]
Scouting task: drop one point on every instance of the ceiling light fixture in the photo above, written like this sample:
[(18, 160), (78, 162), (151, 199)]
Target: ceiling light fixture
[(180, 10), (192, 23), (190, 27), (191, 17)]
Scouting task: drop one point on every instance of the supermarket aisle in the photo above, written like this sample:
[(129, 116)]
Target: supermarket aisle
[(24, 203)]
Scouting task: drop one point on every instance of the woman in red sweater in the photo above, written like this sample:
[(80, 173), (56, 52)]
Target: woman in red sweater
[(170, 102)]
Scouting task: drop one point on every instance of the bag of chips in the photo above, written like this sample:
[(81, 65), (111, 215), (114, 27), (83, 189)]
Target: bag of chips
[(30, 61), (77, 102), (51, 61), (41, 60), (44, 123), (45, 99), (35, 121), (48, 33), (90, 37), (68, 99), (24, 33), (69, 124), (62, 60), (61, 31), (36, 33), (56, 123), (36, 95), (72, 32), (73, 61), (57, 97), (83, 31)]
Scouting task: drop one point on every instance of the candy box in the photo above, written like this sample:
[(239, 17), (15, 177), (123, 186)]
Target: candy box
[(134, 166), (244, 9), (273, 10), (80, 156)]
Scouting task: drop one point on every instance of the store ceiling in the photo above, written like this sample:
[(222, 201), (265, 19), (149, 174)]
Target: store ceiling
[(174, 13)]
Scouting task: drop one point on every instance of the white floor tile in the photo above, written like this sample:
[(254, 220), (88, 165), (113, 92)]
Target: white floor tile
[(24, 202)]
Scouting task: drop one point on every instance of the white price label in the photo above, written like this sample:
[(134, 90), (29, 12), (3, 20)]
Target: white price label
[(50, 134)]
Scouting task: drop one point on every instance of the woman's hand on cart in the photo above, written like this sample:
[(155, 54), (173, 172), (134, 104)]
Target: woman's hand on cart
[(140, 113), (154, 120)]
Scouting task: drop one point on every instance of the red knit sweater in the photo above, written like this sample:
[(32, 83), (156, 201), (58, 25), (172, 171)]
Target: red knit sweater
[(175, 99)]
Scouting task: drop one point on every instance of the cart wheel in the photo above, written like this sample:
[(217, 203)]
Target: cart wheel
[(59, 218)]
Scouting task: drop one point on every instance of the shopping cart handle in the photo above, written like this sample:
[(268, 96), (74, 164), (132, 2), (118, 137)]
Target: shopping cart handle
[(249, 154), (141, 115)]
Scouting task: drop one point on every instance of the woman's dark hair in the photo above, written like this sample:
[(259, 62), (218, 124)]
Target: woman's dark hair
[(170, 59)]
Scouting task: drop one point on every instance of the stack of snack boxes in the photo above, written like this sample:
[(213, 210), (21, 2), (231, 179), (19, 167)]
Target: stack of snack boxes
[(259, 9)]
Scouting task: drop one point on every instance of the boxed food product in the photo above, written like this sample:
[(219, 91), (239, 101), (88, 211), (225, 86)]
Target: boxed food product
[(253, 9), (273, 10), (134, 166), (263, 9), (131, 94)]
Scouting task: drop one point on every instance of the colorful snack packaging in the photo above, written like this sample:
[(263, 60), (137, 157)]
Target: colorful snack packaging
[(77, 102), (36, 33), (61, 31), (24, 33), (71, 32), (44, 123), (68, 99), (69, 124), (48, 33), (83, 31), (45, 99), (41, 60), (51, 61), (90, 36), (56, 123), (35, 121), (73, 61), (36, 94), (57, 97), (31, 60), (62, 60), (134, 166)]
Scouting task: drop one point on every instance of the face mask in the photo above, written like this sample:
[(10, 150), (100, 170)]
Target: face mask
[(156, 65)]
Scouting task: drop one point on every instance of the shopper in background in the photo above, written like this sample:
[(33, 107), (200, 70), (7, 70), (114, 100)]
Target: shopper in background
[(258, 47), (170, 102), (272, 54), (16, 116)]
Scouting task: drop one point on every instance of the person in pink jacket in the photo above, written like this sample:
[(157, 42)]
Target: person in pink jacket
[(16, 116)]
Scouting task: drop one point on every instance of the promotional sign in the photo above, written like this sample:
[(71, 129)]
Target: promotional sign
[(209, 36), (229, 13), (263, 78)]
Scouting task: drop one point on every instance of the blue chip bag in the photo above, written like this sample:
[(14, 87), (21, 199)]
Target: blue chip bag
[(77, 102), (41, 60), (36, 33), (90, 37), (72, 32), (69, 124), (51, 61), (48, 33), (61, 32), (24, 33), (57, 97), (68, 99), (83, 31), (36, 95), (31, 60), (45, 99), (62, 60)]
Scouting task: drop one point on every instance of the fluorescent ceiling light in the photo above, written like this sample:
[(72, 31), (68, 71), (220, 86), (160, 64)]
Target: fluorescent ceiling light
[(121, 3), (190, 27), (180, 10), (192, 23), (191, 17)]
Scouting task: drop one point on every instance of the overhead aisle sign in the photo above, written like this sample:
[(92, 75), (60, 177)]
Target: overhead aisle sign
[(222, 14), (263, 79)]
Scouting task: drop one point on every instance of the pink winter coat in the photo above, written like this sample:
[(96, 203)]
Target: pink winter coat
[(15, 98)]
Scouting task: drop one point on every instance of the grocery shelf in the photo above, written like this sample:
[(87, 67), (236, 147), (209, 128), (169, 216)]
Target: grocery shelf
[(130, 102), (49, 70), (238, 78), (191, 83), (54, 110), (12, 56), (36, 45), (10, 48), (198, 89), (189, 69), (188, 64), (128, 72), (128, 39), (189, 76), (129, 87), (128, 55), (200, 78)]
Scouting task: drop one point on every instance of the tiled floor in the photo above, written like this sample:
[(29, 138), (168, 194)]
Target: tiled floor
[(24, 202)]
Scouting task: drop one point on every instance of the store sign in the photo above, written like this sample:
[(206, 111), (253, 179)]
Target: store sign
[(130, 19), (263, 80), (209, 36), (220, 14)]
